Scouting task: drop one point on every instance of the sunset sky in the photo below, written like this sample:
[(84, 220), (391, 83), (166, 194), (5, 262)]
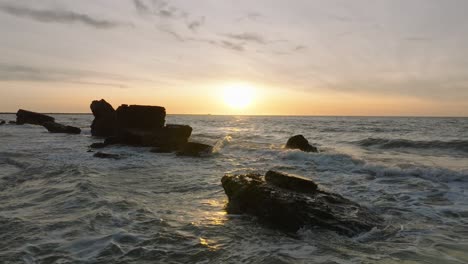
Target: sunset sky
[(301, 57)]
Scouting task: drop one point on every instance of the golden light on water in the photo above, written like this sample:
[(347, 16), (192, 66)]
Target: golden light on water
[(238, 96)]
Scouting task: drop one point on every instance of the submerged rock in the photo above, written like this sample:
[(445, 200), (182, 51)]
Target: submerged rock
[(104, 123), (103, 155), (28, 117), (300, 142), (290, 203), (193, 149), (98, 145), (53, 127)]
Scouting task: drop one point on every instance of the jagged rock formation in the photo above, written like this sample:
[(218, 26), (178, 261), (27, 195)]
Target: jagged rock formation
[(141, 125)]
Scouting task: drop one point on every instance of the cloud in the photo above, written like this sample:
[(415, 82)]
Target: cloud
[(251, 16), (22, 73), (141, 7), (194, 25), (299, 48), (58, 16), (248, 37), (231, 45)]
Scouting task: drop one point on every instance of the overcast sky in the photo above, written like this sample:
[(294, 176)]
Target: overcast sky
[(361, 57)]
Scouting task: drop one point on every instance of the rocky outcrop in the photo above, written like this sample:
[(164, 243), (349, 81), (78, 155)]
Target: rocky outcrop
[(2, 122), (290, 203), (300, 142), (53, 127), (140, 117), (193, 149), (140, 125), (28, 117), (104, 123)]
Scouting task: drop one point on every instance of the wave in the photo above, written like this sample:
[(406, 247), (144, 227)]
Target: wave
[(459, 145)]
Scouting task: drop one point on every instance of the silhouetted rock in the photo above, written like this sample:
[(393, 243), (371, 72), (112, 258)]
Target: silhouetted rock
[(2, 122), (169, 137), (140, 117), (28, 117), (98, 145), (193, 149), (53, 127), (300, 142), (284, 203), (104, 123), (103, 155)]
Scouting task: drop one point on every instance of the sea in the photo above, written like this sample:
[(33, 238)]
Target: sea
[(59, 204)]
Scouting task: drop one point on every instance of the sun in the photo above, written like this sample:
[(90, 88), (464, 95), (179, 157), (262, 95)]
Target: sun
[(238, 96)]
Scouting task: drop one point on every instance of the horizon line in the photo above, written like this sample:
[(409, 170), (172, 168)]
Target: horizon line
[(273, 115)]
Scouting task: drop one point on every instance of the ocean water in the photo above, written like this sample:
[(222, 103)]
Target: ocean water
[(59, 204)]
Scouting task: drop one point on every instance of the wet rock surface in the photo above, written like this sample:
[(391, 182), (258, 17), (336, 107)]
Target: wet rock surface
[(193, 149), (300, 142), (278, 200)]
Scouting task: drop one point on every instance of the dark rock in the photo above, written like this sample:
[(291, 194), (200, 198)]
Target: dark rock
[(12, 122), (2, 122), (193, 149), (171, 137), (290, 182), (104, 123), (162, 150), (103, 155), (28, 117), (300, 142), (291, 210), (140, 117), (111, 141), (98, 145), (53, 127)]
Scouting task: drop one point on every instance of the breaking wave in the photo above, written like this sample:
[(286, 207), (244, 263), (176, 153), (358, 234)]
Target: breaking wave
[(459, 145)]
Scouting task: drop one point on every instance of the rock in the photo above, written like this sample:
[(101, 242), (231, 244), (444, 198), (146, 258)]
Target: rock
[(104, 123), (103, 155), (140, 117), (2, 122), (98, 145), (193, 149), (290, 182), (53, 127), (28, 117), (12, 122), (171, 137), (281, 203), (300, 142)]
